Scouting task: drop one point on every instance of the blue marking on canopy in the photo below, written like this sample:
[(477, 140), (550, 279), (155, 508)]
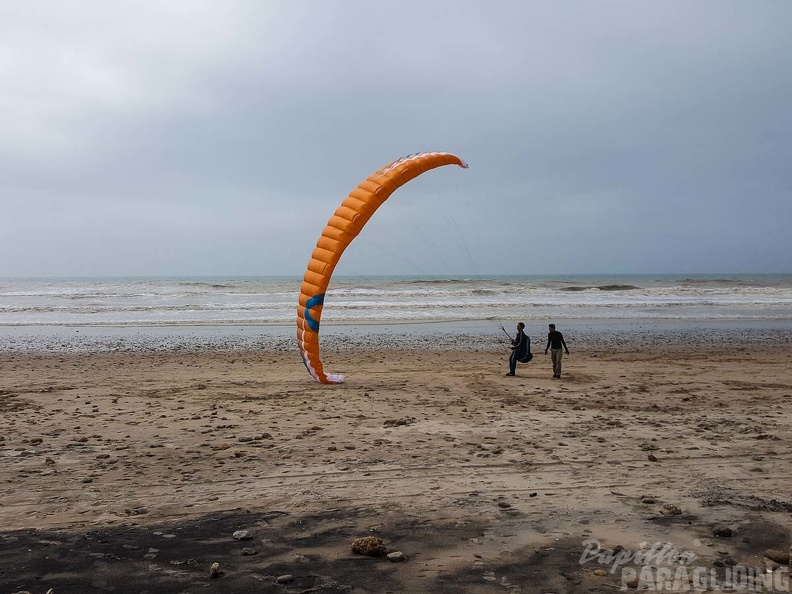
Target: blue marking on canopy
[(314, 301)]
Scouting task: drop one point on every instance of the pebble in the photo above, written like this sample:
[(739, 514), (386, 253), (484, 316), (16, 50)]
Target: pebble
[(399, 422), (396, 557), (247, 552), (214, 571), (285, 579), (669, 509), (633, 583), (780, 557), (368, 545), (242, 535)]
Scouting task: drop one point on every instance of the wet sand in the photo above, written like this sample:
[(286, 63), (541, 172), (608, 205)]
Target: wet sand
[(131, 471)]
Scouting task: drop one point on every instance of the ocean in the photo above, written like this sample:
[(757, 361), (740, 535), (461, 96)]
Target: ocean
[(32, 309)]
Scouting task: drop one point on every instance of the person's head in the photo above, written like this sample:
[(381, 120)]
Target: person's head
[(520, 326), (552, 327)]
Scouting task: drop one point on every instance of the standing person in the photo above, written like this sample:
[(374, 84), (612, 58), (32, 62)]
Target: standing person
[(521, 348), (555, 340)]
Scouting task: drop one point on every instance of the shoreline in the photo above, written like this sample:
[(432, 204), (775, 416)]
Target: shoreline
[(482, 335)]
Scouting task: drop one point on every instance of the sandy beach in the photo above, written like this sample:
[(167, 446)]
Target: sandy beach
[(136, 472)]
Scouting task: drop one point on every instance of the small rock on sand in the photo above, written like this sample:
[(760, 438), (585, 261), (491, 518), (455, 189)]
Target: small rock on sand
[(780, 557), (633, 583), (369, 545), (399, 422), (396, 557)]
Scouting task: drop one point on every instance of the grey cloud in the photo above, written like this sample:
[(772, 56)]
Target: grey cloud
[(205, 137)]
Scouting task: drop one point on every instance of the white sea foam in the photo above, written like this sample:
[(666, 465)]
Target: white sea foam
[(194, 301)]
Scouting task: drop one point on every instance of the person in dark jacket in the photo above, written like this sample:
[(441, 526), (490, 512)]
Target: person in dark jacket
[(521, 347), (555, 341)]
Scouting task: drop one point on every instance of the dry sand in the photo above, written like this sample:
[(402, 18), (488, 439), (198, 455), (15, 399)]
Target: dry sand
[(130, 472)]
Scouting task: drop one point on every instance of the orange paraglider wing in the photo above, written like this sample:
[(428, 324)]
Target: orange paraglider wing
[(345, 224)]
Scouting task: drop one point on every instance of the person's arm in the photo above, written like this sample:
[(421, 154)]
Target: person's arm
[(563, 343), (518, 340), (547, 346)]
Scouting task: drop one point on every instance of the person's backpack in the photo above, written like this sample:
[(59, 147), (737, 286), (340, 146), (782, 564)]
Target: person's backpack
[(528, 356)]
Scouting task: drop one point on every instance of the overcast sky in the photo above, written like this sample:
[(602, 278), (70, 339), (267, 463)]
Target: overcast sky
[(217, 138)]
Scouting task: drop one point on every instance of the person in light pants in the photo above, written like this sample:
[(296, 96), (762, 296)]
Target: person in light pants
[(555, 342)]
